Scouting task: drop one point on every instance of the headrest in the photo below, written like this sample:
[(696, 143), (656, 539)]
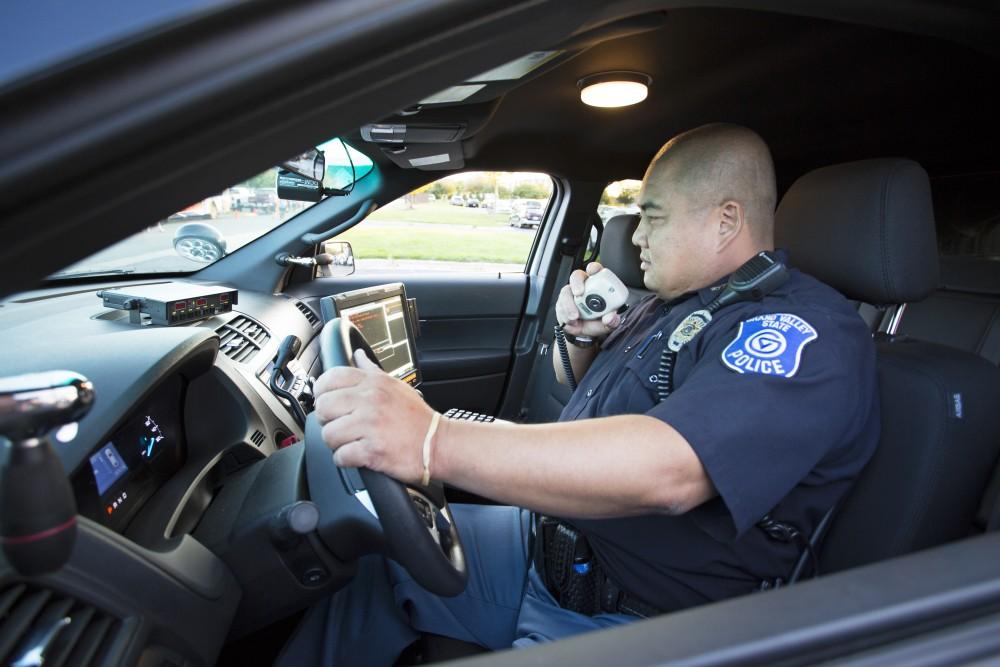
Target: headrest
[(617, 251), (865, 228)]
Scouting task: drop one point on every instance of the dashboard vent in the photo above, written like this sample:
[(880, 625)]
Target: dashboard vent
[(257, 438), (38, 624), (241, 338), (308, 312)]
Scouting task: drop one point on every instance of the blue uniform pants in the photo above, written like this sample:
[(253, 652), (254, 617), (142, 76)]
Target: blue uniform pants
[(382, 610)]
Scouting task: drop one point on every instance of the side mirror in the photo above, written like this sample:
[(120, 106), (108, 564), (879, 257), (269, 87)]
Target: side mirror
[(342, 262)]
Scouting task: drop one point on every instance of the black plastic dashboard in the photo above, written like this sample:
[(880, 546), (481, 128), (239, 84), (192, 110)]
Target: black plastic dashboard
[(174, 416)]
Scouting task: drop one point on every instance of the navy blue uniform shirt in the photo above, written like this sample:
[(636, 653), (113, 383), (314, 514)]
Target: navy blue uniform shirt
[(778, 398)]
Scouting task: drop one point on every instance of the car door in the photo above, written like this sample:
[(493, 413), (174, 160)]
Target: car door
[(466, 268)]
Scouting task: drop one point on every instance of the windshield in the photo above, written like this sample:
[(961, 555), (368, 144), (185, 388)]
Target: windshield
[(208, 230)]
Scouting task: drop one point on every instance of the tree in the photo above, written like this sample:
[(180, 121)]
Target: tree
[(626, 197), (266, 179), (531, 191)]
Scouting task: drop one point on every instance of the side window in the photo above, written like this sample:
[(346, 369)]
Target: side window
[(619, 198), (481, 221), (967, 214)]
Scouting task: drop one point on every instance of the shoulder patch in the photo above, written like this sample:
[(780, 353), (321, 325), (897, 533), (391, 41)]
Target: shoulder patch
[(769, 345)]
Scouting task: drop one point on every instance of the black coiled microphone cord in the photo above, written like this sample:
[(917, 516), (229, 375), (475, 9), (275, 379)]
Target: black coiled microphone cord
[(564, 357)]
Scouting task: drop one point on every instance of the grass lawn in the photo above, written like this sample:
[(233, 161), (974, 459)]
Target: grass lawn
[(441, 212), (455, 245)]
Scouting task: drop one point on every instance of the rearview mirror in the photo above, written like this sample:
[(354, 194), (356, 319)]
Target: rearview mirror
[(311, 165), (342, 263)]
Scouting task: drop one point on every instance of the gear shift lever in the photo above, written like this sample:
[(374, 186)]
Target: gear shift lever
[(37, 509)]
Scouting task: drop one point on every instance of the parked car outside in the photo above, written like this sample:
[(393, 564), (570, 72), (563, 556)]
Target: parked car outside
[(528, 215), (240, 198), (264, 200)]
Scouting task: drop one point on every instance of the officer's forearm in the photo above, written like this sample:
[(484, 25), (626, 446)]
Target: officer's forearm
[(594, 468), (580, 358)]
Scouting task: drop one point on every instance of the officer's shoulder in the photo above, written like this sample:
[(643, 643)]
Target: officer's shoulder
[(823, 308)]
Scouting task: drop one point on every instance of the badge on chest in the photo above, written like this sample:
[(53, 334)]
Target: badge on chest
[(689, 327)]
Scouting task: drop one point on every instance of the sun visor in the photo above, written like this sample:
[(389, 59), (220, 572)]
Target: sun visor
[(398, 133), (427, 157)]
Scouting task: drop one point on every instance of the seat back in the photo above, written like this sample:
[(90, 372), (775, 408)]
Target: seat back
[(620, 256), (964, 312), (867, 229), (939, 444)]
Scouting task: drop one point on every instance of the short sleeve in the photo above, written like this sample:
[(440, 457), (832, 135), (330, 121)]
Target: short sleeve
[(760, 416)]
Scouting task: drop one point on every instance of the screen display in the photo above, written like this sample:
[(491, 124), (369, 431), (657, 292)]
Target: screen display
[(108, 467), (383, 324), (132, 464)]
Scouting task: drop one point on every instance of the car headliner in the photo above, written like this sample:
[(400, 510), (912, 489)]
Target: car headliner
[(98, 153), (818, 91)]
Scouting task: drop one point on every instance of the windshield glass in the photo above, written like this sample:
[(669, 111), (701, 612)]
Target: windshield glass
[(208, 230)]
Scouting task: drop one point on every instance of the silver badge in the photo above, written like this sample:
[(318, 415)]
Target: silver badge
[(688, 329)]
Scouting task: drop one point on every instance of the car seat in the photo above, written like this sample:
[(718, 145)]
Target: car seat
[(622, 257), (867, 229)]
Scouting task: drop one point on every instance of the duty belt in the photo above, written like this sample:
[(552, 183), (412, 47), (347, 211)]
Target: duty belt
[(575, 577)]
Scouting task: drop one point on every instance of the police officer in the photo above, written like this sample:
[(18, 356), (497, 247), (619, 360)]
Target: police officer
[(667, 491)]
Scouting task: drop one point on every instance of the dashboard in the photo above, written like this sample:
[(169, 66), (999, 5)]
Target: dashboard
[(164, 466), (192, 460), (127, 469)]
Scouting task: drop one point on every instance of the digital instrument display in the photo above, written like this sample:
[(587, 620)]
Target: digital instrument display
[(132, 464), (384, 323), (108, 467)]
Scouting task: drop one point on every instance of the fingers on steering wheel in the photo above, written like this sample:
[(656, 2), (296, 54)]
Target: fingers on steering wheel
[(345, 430), (338, 378), (335, 404), (352, 455)]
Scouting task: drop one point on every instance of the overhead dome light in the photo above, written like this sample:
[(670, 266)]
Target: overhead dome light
[(614, 89)]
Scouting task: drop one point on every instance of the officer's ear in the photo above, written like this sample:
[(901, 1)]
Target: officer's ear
[(731, 219)]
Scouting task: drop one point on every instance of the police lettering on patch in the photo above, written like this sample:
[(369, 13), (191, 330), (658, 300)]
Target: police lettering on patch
[(769, 345)]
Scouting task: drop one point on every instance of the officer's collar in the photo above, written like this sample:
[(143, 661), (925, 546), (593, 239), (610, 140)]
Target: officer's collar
[(706, 294)]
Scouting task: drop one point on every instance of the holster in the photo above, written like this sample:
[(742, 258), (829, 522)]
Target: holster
[(566, 563)]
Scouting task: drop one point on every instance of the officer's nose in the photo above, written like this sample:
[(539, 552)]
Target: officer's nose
[(639, 235)]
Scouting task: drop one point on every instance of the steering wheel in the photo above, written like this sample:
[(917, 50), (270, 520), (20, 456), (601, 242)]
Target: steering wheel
[(419, 529)]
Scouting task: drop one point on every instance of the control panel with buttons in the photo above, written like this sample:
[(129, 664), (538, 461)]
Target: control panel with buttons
[(170, 303)]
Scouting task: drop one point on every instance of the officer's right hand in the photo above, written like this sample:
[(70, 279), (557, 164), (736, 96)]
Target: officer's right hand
[(568, 315)]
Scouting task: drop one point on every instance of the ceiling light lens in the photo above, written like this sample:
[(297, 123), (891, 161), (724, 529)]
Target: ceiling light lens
[(614, 93)]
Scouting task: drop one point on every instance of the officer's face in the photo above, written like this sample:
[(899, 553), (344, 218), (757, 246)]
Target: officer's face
[(675, 239)]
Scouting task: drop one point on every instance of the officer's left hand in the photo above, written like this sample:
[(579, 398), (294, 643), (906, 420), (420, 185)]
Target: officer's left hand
[(371, 420)]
